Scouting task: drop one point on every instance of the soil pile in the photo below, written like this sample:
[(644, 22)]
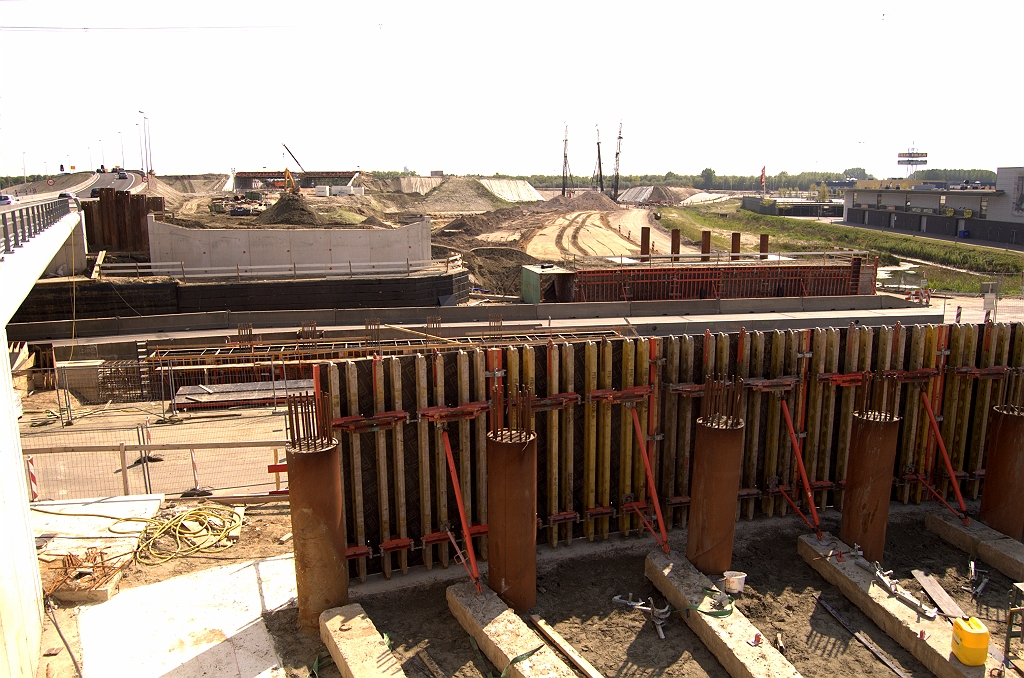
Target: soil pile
[(290, 209), (497, 269), (373, 222), (458, 194), (478, 224), (677, 193), (587, 200)]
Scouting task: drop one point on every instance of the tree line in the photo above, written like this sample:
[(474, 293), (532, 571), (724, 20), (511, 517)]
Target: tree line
[(955, 175), (708, 180)]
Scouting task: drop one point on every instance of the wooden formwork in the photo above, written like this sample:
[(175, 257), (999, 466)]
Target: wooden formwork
[(397, 484)]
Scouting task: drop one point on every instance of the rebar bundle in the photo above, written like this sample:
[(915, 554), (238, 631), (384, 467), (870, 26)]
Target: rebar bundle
[(1010, 398), (720, 406), (309, 423), (519, 413), (879, 398)]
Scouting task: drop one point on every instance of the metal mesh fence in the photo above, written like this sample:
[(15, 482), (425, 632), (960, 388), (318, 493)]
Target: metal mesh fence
[(211, 454)]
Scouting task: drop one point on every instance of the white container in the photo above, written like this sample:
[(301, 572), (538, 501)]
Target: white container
[(734, 581), (323, 191)]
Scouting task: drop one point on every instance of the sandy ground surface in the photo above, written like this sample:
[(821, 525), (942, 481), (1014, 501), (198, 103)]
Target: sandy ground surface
[(575, 590)]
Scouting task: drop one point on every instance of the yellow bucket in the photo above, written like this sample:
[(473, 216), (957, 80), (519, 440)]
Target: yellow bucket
[(970, 641)]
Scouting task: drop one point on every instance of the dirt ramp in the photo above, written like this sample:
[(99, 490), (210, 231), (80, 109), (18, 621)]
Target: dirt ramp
[(290, 209), (421, 185), (512, 190), (196, 183), (587, 200), (459, 194)]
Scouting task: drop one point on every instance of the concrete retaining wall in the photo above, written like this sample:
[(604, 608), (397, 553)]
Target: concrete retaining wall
[(217, 247)]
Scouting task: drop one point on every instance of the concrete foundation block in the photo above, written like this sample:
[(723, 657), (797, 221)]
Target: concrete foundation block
[(501, 635), (726, 637), (981, 541), (355, 644), (897, 619)]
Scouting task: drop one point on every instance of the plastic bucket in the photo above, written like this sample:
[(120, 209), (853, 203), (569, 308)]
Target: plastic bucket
[(734, 581)]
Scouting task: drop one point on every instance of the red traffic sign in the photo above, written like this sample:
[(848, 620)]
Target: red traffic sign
[(145, 178), (50, 182)]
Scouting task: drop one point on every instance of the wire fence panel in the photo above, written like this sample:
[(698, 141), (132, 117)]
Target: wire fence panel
[(209, 452)]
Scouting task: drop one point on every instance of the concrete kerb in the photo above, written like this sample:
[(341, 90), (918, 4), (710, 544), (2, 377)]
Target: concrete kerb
[(726, 637), (356, 646), (502, 635), (981, 541), (901, 623)]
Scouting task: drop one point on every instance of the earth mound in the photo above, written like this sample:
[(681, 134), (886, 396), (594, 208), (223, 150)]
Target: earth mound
[(290, 209)]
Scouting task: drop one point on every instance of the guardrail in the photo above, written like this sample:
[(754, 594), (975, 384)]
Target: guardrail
[(346, 269), (23, 224)]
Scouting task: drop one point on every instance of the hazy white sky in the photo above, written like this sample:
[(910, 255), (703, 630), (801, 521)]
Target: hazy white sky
[(488, 86)]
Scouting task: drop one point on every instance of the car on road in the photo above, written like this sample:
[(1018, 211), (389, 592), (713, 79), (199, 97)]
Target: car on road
[(94, 193), (8, 200), (122, 175), (69, 196)]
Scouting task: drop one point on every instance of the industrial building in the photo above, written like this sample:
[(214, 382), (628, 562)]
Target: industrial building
[(993, 215)]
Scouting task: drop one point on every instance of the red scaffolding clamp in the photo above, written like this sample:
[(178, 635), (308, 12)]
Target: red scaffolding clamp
[(920, 376), (841, 379), (559, 401), (441, 414), (384, 421), (633, 394), (994, 372), (686, 389), (778, 384)]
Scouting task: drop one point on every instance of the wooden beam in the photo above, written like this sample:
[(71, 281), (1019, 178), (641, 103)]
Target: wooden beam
[(565, 648)]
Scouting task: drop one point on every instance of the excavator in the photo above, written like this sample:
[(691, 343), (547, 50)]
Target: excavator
[(289, 181)]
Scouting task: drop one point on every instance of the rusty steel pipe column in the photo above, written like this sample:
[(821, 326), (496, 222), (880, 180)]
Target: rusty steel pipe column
[(318, 535), (676, 242), (764, 246), (512, 517), (705, 245), (735, 246), (714, 495), (869, 476), (645, 242), (1002, 500)]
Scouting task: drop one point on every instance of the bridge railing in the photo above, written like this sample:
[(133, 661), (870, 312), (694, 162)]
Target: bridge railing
[(23, 224)]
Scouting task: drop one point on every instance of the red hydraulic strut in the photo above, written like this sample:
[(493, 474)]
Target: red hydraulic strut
[(663, 541), (474, 574), (945, 458), (803, 471)]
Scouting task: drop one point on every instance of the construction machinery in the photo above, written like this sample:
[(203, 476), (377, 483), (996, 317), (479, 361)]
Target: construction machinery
[(598, 171), (289, 181), (615, 179), (568, 184)]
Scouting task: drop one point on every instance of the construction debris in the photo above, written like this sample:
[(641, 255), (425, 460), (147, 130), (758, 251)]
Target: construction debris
[(290, 208)]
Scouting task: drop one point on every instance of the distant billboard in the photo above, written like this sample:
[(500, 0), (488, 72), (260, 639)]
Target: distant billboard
[(911, 162), (913, 154)]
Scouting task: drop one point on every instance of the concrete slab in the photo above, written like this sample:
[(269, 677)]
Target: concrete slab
[(501, 635), (206, 623), (355, 644), (726, 637), (900, 622), (1006, 554)]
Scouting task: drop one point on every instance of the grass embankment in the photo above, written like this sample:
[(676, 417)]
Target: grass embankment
[(977, 264)]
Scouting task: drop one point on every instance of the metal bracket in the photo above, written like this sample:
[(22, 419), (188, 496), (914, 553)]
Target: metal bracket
[(378, 422), (495, 373)]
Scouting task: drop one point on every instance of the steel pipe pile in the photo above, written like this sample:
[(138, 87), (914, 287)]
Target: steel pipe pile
[(317, 504), (1002, 497), (874, 433), (512, 502), (717, 466)]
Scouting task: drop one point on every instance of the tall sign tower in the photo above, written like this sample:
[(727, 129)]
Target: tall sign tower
[(912, 158)]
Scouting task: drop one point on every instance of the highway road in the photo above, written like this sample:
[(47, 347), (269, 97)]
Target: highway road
[(107, 180)]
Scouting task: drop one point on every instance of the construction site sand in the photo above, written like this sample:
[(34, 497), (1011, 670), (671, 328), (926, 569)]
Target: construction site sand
[(602, 234), (459, 195)]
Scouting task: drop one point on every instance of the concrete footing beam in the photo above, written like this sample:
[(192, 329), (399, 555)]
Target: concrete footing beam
[(501, 635), (901, 623), (355, 644), (726, 637), (1006, 554)]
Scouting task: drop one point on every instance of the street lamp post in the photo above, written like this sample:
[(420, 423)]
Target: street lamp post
[(90, 158), (103, 156), (24, 174), (142, 158), (149, 141), (121, 138)]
